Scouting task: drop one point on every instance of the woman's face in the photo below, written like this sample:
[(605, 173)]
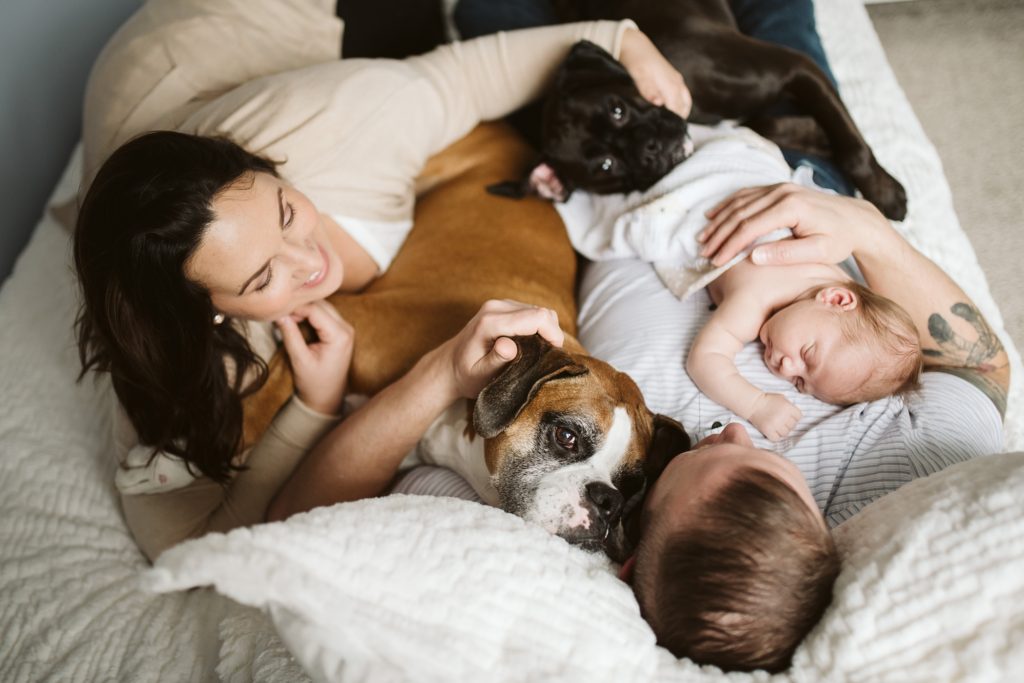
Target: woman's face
[(266, 251)]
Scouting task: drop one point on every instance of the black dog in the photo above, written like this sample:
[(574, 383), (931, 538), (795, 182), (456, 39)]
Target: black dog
[(599, 134)]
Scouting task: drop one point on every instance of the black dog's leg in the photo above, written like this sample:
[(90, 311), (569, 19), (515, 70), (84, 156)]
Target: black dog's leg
[(735, 76), (800, 133), (810, 87)]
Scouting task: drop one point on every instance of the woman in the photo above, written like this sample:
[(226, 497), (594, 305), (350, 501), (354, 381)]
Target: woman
[(185, 236)]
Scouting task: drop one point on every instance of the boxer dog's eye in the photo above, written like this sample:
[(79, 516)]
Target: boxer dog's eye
[(566, 438)]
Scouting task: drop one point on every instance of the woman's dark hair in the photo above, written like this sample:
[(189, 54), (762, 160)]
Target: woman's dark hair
[(141, 319)]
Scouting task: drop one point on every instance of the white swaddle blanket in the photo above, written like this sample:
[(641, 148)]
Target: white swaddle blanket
[(661, 224)]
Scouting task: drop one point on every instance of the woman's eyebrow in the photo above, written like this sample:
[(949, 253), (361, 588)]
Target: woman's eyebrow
[(280, 208)]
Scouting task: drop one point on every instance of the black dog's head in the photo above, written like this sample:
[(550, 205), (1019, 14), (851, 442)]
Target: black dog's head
[(599, 134)]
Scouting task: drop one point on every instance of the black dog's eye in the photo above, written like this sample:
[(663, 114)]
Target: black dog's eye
[(617, 112), (566, 438), (607, 164)]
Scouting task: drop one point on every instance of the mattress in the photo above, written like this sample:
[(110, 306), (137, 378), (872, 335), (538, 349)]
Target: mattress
[(78, 601)]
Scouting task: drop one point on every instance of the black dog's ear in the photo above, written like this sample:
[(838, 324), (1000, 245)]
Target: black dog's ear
[(543, 182), (504, 398), (589, 64), (668, 441), (513, 189)]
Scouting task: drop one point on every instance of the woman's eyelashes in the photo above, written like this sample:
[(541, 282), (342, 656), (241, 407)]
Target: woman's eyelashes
[(266, 283)]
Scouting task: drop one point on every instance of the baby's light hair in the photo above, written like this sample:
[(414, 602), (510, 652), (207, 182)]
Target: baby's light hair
[(886, 327)]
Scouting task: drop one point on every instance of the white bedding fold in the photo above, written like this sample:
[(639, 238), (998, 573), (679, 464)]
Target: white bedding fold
[(931, 591)]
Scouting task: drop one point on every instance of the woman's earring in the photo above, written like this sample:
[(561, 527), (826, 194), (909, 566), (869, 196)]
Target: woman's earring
[(218, 318)]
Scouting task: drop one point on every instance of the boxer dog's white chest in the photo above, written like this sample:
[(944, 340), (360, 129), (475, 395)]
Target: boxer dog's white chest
[(446, 444)]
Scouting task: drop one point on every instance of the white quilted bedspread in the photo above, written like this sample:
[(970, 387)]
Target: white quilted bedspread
[(429, 589), (411, 588)]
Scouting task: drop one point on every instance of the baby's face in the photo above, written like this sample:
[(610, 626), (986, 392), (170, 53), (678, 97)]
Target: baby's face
[(804, 344)]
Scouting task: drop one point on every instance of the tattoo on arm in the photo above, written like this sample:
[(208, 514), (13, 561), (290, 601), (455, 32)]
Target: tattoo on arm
[(972, 360)]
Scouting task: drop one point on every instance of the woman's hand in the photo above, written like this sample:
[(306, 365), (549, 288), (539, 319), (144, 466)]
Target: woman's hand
[(657, 80), (482, 348), (826, 227), (320, 368)]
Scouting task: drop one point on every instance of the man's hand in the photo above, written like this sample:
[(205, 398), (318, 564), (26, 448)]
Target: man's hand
[(826, 227)]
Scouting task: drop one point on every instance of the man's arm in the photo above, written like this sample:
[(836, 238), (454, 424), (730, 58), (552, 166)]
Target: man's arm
[(954, 336)]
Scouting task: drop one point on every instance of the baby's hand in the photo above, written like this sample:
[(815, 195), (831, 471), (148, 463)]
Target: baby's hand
[(774, 416)]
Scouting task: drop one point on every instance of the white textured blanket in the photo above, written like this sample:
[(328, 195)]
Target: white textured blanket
[(413, 588), (930, 591)]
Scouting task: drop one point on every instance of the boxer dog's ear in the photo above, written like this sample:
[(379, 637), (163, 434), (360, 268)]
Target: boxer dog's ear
[(504, 398), (542, 182), (668, 441)]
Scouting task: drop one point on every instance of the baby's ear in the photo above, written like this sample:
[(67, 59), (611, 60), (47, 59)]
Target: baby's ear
[(842, 298)]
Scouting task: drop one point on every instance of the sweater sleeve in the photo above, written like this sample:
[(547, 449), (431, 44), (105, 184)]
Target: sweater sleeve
[(489, 77), (161, 520)]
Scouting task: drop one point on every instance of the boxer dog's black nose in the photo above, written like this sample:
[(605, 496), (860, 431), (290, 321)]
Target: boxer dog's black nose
[(607, 501)]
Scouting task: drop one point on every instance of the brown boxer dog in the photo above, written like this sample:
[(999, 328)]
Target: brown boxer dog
[(559, 438), (600, 135)]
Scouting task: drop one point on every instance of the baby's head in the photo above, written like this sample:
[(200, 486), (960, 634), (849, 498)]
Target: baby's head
[(844, 344)]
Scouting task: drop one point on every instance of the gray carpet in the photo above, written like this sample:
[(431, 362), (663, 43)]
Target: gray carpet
[(961, 63)]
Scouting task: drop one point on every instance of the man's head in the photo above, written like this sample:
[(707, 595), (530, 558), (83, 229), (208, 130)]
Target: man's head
[(843, 344), (735, 563)]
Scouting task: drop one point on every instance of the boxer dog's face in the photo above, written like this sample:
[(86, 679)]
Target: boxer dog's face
[(600, 135), (571, 445)]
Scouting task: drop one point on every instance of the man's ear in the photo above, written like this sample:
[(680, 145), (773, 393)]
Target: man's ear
[(668, 441), (841, 297)]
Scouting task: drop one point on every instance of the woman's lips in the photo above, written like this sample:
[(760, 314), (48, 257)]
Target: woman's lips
[(318, 276)]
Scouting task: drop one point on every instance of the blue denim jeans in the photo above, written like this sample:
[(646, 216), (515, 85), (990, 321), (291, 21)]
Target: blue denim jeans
[(784, 22)]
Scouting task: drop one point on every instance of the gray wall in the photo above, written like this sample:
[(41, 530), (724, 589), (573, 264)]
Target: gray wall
[(46, 50)]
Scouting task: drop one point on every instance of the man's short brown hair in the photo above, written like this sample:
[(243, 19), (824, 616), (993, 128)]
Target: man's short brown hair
[(743, 584)]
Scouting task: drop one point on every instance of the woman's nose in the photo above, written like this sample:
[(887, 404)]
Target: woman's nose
[(305, 258)]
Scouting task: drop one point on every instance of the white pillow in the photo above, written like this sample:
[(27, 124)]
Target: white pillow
[(434, 589)]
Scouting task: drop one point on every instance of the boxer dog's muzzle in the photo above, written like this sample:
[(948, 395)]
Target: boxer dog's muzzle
[(570, 444), (599, 134)]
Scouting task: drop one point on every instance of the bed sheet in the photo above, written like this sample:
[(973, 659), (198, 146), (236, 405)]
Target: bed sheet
[(71, 606)]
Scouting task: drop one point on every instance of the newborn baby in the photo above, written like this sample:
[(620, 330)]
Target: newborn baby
[(831, 337), (828, 335)]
